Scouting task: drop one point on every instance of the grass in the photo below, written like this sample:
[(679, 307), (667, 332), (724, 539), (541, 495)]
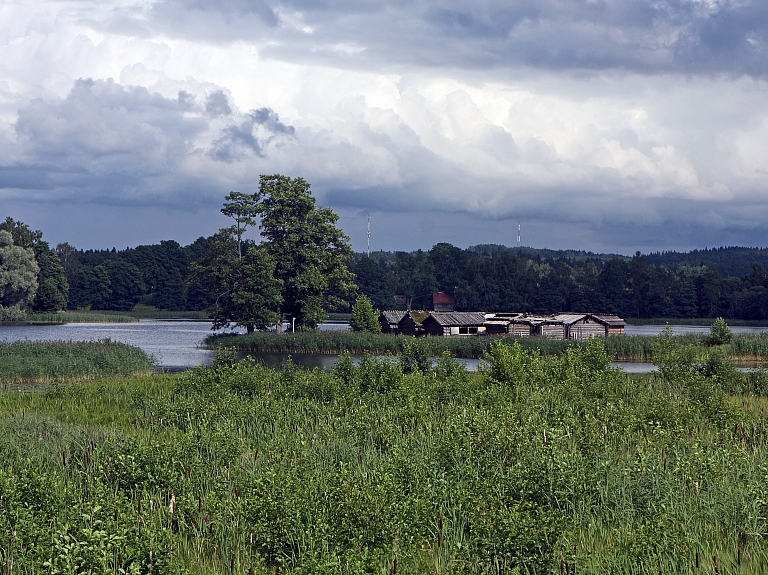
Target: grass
[(38, 362), (536, 465)]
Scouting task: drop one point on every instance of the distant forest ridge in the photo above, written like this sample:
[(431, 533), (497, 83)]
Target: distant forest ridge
[(727, 281), (731, 261)]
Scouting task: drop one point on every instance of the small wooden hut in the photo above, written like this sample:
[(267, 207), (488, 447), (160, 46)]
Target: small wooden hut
[(454, 323), (389, 321), (411, 322), (613, 324), (524, 325), (442, 301)]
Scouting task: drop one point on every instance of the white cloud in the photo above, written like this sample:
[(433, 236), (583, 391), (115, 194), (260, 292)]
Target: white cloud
[(594, 115)]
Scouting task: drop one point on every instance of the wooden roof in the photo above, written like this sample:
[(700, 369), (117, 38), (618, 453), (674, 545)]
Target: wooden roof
[(418, 315), (393, 316), (609, 319), (458, 318)]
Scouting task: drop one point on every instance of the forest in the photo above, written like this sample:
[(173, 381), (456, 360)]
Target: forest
[(728, 282)]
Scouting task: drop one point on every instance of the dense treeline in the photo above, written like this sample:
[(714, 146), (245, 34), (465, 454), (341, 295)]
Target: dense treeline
[(156, 275), (495, 278), (729, 282)]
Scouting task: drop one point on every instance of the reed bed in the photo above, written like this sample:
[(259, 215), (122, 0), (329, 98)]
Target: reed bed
[(637, 348), (743, 347), (33, 361), (62, 317), (535, 465)]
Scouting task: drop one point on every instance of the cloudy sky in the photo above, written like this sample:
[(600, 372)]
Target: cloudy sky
[(609, 125)]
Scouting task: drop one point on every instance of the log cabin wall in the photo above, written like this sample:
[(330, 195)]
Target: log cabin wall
[(552, 330), (586, 328)]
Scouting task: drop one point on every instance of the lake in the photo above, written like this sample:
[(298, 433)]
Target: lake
[(175, 343)]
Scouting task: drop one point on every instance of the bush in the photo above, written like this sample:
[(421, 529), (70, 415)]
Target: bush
[(364, 317), (719, 333)]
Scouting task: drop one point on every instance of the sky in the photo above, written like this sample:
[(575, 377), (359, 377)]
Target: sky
[(604, 125)]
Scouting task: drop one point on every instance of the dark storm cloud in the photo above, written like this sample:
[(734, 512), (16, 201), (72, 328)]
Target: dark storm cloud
[(213, 20), (120, 144), (667, 35), (258, 129), (217, 105)]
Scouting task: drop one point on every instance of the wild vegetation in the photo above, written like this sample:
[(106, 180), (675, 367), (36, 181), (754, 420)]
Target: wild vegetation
[(743, 347), (37, 361), (533, 466)]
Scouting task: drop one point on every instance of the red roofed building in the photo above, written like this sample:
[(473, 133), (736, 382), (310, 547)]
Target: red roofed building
[(442, 301)]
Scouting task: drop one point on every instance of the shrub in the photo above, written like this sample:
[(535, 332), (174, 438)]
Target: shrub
[(719, 333), (364, 317)]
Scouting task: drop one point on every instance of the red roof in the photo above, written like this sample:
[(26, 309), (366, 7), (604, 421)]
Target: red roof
[(442, 298)]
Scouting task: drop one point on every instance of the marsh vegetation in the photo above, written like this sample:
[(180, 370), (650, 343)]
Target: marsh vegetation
[(533, 465)]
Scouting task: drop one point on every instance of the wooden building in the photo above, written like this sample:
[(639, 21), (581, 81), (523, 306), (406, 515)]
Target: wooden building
[(389, 321), (442, 301), (614, 325), (581, 326), (411, 322), (454, 323), (558, 326)]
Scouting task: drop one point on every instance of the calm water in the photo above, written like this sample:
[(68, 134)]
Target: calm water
[(175, 343), (683, 329)]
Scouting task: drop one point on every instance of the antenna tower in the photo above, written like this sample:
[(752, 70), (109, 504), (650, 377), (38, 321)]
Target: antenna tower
[(369, 235), (518, 233)]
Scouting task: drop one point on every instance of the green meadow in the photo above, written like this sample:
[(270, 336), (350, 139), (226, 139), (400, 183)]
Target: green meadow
[(392, 465)]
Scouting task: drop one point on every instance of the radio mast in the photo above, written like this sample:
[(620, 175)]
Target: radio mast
[(369, 235), (518, 233)]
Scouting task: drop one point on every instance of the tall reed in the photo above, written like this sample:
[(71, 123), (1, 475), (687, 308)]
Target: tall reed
[(535, 465), (46, 361)]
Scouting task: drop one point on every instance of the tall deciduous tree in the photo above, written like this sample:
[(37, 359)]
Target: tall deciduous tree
[(53, 288), (247, 292), (311, 254), (18, 278)]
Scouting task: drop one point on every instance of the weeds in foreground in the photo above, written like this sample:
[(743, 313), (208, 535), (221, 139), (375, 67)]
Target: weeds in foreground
[(534, 465)]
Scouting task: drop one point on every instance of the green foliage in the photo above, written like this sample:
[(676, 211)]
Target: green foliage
[(311, 254), (247, 292), (50, 361), (372, 280), (23, 236), (416, 355), (719, 332), (364, 317), (509, 365), (126, 285), (53, 288), (18, 278), (535, 464)]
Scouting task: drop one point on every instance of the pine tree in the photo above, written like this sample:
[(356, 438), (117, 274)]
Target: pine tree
[(364, 317)]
